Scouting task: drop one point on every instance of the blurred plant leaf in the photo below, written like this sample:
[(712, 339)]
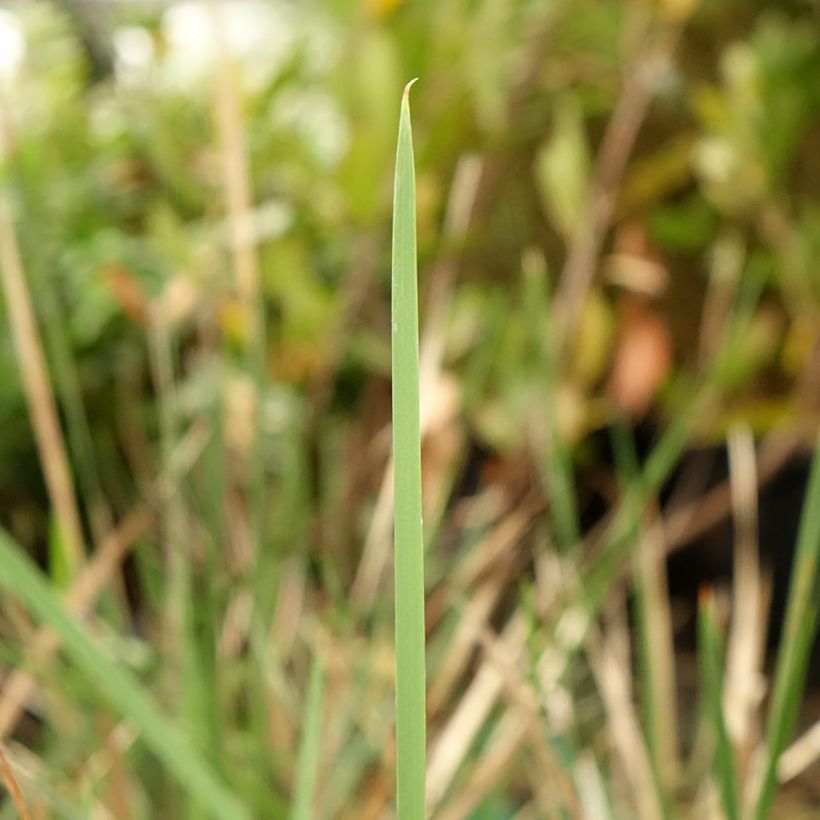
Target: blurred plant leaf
[(562, 166)]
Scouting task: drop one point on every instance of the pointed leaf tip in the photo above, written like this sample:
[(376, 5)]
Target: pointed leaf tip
[(409, 86)]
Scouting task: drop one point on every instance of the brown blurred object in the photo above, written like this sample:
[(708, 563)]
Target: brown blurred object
[(126, 291), (635, 264), (643, 355), (643, 347)]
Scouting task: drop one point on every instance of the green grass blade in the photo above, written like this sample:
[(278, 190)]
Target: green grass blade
[(119, 687), (409, 558), (802, 611), (654, 651), (557, 462), (308, 761), (711, 654)]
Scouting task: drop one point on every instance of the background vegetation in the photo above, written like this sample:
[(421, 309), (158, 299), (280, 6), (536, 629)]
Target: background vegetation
[(618, 234)]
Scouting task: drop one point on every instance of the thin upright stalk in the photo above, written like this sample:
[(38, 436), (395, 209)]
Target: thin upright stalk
[(39, 395)]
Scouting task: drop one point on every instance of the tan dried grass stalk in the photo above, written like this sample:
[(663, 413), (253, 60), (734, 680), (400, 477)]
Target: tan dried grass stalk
[(37, 387)]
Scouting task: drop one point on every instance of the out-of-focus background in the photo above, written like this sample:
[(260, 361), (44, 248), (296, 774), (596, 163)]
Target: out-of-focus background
[(619, 235)]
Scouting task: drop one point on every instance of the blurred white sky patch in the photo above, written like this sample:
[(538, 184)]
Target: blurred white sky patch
[(134, 54), (258, 32), (262, 35), (316, 117), (12, 46)]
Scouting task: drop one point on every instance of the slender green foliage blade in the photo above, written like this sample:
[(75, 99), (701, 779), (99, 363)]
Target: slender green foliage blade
[(308, 760), (802, 613), (21, 579), (409, 550), (557, 462), (651, 662), (711, 654)]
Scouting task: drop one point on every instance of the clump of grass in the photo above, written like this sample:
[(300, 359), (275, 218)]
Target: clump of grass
[(122, 691), (409, 557)]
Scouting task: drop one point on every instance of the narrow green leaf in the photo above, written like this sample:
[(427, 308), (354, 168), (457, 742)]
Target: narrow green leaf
[(711, 654), (21, 579), (409, 550), (309, 746), (654, 675), (59, 557), (802, 613), (557, 462)]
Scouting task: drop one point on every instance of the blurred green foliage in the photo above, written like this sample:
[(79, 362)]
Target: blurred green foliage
[(117, 183), (118, 196)]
